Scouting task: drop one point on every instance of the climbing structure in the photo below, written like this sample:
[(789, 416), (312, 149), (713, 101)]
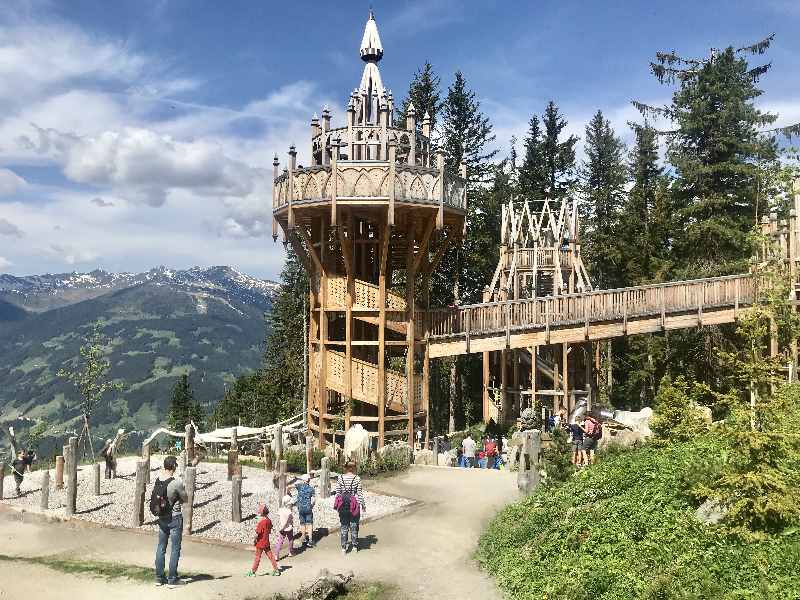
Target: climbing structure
[(539, 257), (370, 219)]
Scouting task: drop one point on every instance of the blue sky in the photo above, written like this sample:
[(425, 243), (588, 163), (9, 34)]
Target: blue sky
[(140, 133)]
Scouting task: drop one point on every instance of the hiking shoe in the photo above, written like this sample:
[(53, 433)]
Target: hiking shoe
[(310, 544), (160, 582), (250, 574), (344, 551), (276, 573), (176, 583)]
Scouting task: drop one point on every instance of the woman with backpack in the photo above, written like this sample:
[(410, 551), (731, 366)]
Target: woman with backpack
[(349, 503)]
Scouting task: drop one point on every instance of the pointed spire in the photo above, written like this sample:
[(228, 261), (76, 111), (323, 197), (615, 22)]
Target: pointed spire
[(371, 47)]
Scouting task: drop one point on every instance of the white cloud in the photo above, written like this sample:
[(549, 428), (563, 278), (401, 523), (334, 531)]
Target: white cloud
[(5, 263), (8, 228), (71, 254), (10, 182)]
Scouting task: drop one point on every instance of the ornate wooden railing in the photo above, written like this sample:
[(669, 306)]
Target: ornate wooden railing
[(662, 299), (365, 382), (366, 295)]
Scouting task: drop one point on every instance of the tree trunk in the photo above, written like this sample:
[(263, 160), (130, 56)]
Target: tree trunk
[(451, 424)]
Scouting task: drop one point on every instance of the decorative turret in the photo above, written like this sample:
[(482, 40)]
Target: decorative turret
[(371, 47)]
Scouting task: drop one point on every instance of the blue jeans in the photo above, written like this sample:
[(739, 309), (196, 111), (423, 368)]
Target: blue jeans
[(172, 529), (469, 462), (349, 525)]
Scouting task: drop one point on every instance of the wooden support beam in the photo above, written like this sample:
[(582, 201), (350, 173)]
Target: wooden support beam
[(384, 256), (410, 285)]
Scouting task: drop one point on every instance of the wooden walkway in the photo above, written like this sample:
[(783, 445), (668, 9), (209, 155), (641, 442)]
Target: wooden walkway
[(588, 316)]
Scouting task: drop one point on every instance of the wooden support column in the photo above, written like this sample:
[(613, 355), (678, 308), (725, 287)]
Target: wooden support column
[(385, 234), (486, 376), (534, 367), (517, 388), (322, 384), (556, 381), (568, 401), (349, 262), (589, 387), (610, 370), (410, 279), (503, 417)]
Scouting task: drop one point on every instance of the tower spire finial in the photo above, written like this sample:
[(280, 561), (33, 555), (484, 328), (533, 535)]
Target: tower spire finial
[(371, 47)]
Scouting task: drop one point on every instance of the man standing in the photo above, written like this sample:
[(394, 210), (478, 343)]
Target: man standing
[(594, 432), (468, 447), (166, 500)]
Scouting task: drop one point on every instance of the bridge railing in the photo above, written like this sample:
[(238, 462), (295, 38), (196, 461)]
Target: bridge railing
[(592, 307)]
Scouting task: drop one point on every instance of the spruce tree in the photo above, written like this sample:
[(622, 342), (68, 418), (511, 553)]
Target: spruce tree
[(532, 178), (183, 407), (603, 179), (425, 93), (559, 156)]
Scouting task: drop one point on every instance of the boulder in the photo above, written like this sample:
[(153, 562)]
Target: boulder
[(325, 586), (356, 443), (638, 421), (424, 457), (710, 512)]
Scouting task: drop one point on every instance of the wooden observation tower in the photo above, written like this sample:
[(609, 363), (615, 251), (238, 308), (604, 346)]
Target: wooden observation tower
[(540, 257), (370, 218)]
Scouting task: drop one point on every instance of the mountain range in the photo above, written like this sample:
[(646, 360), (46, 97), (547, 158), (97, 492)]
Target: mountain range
[(206, 322)]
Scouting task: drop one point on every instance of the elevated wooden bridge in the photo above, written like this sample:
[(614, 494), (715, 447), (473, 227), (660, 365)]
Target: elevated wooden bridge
[(587, 316)]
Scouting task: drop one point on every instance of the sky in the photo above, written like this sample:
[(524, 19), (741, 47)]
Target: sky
[(141, 133)]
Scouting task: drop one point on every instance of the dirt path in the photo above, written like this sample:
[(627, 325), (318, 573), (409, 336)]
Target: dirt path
[(426, 551)]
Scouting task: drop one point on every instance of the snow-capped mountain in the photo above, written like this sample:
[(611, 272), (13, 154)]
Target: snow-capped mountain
[(43, 292)]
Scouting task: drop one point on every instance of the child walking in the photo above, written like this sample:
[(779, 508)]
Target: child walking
[(263, 529), (285, 526)]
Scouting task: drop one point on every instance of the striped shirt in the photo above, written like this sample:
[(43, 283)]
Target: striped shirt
[(350, 482)]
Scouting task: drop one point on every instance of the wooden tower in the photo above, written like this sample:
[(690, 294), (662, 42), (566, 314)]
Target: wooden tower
[(370, 219), (540, 256)]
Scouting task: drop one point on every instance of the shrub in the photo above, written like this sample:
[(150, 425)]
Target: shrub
[(296, 459), (390, 459), (557, 464), (676, 414)]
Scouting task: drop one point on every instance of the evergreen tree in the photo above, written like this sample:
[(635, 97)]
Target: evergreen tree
[(466, 131), (533, 173), (183, 407), (425, 93), (603, 184), (714, 148), (559, 156)]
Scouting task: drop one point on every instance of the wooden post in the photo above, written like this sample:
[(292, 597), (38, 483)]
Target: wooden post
[(385, 235), (503, 416), (410, 384), (137, 512), (610, 376), (268, 457), (281, 481), (588, 359), (278, 444), (190, 482), (570, 404), (233, 454), (322, 382), (146, 458), (181, 463), (44, 500), (60, 472), (325, 479), (528, 469), (190, 449), (236, 499), (96, 473), (2, 477), (486, 387), (309, 452), (72, 477)]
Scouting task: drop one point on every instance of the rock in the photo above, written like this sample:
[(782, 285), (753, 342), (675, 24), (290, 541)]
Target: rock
[(705, 414), (356, 443), (710, 512), (424, 457), (626, 437), (638, 421), (326, 586), (446, 459), (529, 419)]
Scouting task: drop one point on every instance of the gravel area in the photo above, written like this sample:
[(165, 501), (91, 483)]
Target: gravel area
[(212, 502)]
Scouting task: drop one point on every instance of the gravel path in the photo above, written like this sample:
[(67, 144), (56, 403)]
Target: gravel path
[(212, 503)]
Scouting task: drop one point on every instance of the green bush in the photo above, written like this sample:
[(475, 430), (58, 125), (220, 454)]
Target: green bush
[(625, 530), (557, 464), (676, 414), (296, 459), (391, 459)]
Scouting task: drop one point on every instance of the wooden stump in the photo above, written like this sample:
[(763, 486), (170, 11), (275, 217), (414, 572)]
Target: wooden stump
[(278, 444), (233, 460), (309, 452), (44, 500), (146, 458), (188, 508), (281, 481), (72, 477), (190, 452), (236, 499), (325, 478), (268, 457), (96, 479), (137, 510), (528, 469), (60, 472)]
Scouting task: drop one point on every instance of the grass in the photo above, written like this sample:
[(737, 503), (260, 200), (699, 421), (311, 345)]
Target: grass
[(95, 568)]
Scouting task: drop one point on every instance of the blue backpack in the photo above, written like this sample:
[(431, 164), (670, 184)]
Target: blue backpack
[(305, 493)]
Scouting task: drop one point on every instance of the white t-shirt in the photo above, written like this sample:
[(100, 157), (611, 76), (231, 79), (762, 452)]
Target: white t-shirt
[(468, 446)]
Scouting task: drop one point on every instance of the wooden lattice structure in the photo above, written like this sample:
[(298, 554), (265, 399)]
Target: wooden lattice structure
[(370, 218)]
